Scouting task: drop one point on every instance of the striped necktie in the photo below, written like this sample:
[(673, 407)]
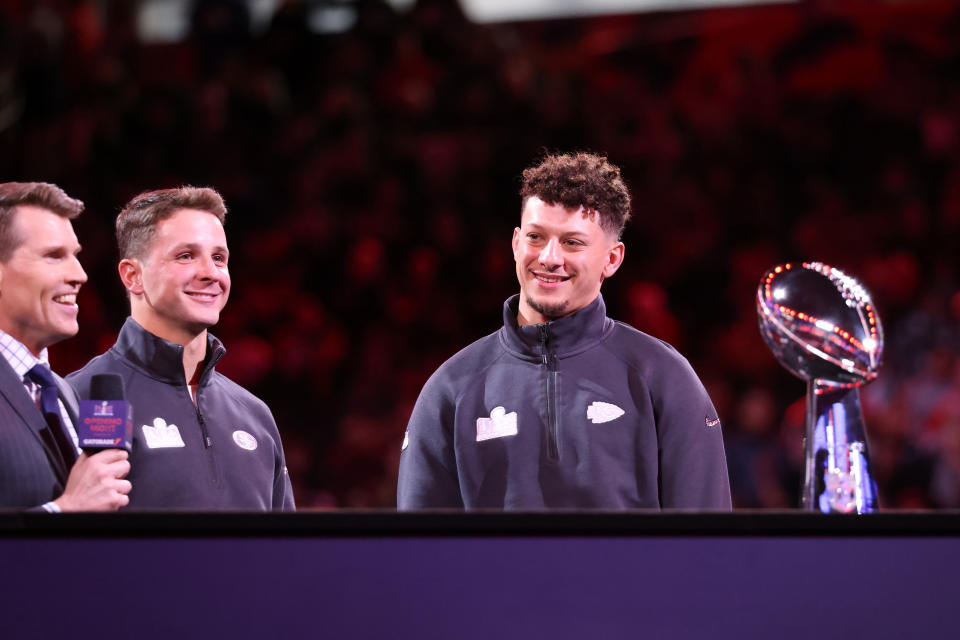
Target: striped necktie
[(50, 405)]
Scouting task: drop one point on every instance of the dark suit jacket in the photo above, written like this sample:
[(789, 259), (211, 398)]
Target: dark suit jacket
[(32, 469)]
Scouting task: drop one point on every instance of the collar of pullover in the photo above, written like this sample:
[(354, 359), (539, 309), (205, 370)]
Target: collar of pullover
[(562, 337), (160, 359)]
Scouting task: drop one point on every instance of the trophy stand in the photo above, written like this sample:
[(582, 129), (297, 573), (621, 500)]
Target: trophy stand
[(837, 476)]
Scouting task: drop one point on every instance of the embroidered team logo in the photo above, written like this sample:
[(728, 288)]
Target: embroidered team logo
[(498, 425), (711, 423), (600, 412), (244, 440), (162, 435)]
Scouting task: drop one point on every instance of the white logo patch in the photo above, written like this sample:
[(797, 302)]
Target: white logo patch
[(406, 440), (162, 435), (600, 412), (499, 424), (244, 440)]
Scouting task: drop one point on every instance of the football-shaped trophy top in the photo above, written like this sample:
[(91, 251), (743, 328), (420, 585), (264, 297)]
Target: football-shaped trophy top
[(820, 323)]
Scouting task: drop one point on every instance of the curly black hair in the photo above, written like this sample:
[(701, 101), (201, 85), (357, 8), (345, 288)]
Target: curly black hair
[(580, 179)]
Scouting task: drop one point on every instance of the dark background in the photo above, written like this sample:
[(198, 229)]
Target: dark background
[(372, 177)]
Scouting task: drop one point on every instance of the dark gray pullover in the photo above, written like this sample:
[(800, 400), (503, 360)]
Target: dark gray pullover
[(582, 413)]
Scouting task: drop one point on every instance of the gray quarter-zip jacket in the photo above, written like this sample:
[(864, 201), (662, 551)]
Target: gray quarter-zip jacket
[(222, 453), (582, 412)]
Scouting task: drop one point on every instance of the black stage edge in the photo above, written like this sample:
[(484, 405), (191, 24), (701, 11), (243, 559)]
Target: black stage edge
[(473, 524)]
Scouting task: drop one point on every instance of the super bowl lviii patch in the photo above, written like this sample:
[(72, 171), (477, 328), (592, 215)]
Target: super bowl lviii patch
[(498, 425), (162, 435)]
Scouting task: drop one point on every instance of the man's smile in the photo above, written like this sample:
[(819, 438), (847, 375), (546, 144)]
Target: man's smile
[(66, 299), (550, 279), (203, 296)]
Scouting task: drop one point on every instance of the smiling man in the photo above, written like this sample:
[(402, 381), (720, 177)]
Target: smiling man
[(201, 442), (564, 407), (40, 277)]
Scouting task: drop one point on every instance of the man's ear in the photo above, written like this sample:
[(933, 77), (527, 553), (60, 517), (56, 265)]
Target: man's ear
[(516, 241), (131, 275), (614, 259)]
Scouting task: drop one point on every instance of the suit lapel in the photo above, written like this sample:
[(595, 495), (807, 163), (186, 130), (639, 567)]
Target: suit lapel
[(16, 395)]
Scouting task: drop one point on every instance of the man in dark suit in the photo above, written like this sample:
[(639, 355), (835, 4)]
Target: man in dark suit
[(40, 276)]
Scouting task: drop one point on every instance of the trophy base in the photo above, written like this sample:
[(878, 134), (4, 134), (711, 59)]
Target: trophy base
[(837, 477)]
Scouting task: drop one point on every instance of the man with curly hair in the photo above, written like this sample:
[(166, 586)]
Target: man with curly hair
[(564, 408)]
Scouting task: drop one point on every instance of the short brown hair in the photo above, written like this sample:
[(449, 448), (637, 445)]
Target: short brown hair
[(137, 222), (38, 194), (580, 179)]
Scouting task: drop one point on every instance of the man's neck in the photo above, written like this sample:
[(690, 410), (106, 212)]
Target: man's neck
[(36, 349), (528, 315), (523, 321), (14, 350), (194, 353)]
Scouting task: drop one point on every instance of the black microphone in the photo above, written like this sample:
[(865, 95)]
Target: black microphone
[(106, 419)]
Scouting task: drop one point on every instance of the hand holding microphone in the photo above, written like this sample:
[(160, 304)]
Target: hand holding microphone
[(97, 482), (105, 433)]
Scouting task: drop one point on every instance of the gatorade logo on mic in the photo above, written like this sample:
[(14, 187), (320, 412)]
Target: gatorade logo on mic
[(106, 420)]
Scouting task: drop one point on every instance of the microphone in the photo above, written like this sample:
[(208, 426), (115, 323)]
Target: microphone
[(106, 420)]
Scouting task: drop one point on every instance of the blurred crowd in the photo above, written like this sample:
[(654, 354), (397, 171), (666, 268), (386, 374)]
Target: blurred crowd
[(372, 177)]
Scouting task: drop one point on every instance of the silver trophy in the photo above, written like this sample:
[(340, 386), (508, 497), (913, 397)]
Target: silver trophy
[(822, 326)]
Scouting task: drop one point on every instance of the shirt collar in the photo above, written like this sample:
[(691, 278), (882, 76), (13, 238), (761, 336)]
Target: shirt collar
[(18, 356), (159, 358), (562, 337)]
